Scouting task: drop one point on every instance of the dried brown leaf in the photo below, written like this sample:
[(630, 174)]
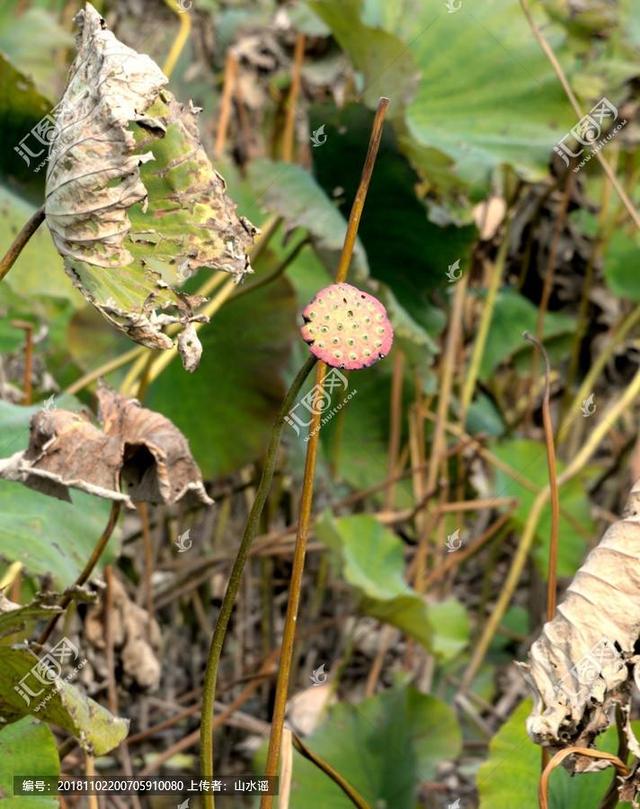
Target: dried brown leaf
[(136, 636), (137, 450), (132, 201), (584, 662)]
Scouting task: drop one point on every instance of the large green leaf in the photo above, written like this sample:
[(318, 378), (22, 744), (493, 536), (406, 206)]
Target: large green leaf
[(514, 314), (372, 562), (510, 776), (486, 122), (384, 746), (48, 536), (21, 619), (291, 192), (21, 108), (226, 408), (34, 41), (478, 124), (621, 259), (58, 702), (27, 747), (451, 628), (387, 64), (529, 459)]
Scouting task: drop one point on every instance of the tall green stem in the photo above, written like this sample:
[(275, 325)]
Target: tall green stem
[(235, 577)]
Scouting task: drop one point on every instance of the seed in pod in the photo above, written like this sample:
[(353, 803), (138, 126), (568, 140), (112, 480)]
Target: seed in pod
[(346, 327)]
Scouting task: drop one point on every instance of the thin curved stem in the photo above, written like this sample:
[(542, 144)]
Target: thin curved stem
[(288, 138), (608, 350), (105, 368), (295, 588), (181, 37), (555, 64), (235, 577), (480, 342), (87, 570), (552, 577), (630, 395), (351, 792), (230, 71), (28, 229), (560, 756), (275, 274)]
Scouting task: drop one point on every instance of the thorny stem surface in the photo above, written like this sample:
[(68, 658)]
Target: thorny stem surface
[(306, 499), (87, 570), (28, 229), (235, 578)]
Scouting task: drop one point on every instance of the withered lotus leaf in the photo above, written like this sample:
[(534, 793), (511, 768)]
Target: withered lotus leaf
[(133, 203), (138, 455), (586, 660)]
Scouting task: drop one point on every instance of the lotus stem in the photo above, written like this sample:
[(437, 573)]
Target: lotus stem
[(306, 499), (28, 229), (235, 578)]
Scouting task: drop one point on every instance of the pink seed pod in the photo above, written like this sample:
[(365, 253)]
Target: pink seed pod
[(347, 328)]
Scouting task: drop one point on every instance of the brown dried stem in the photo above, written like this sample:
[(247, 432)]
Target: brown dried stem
[(28, 229), (288, 138), (559, 757), (306, 499), (87, 570), (555, 64), (230, 71), (552, 577)]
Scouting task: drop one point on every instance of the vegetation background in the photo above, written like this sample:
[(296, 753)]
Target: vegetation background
[(420, 591)]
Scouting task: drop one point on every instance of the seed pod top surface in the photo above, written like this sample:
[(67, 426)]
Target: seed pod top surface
[(346, 327)]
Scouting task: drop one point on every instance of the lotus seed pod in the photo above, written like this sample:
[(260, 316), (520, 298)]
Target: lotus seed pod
[(346, 327)]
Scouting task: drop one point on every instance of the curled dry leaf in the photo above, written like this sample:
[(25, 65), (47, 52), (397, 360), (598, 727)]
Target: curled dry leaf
[(585, 661), (137, 450), (132, 201), (136, 636)]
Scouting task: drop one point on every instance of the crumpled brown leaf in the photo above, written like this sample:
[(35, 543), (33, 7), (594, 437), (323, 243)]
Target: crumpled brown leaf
[(137, 450), (133, 203), (136, 636), (585, 661)]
